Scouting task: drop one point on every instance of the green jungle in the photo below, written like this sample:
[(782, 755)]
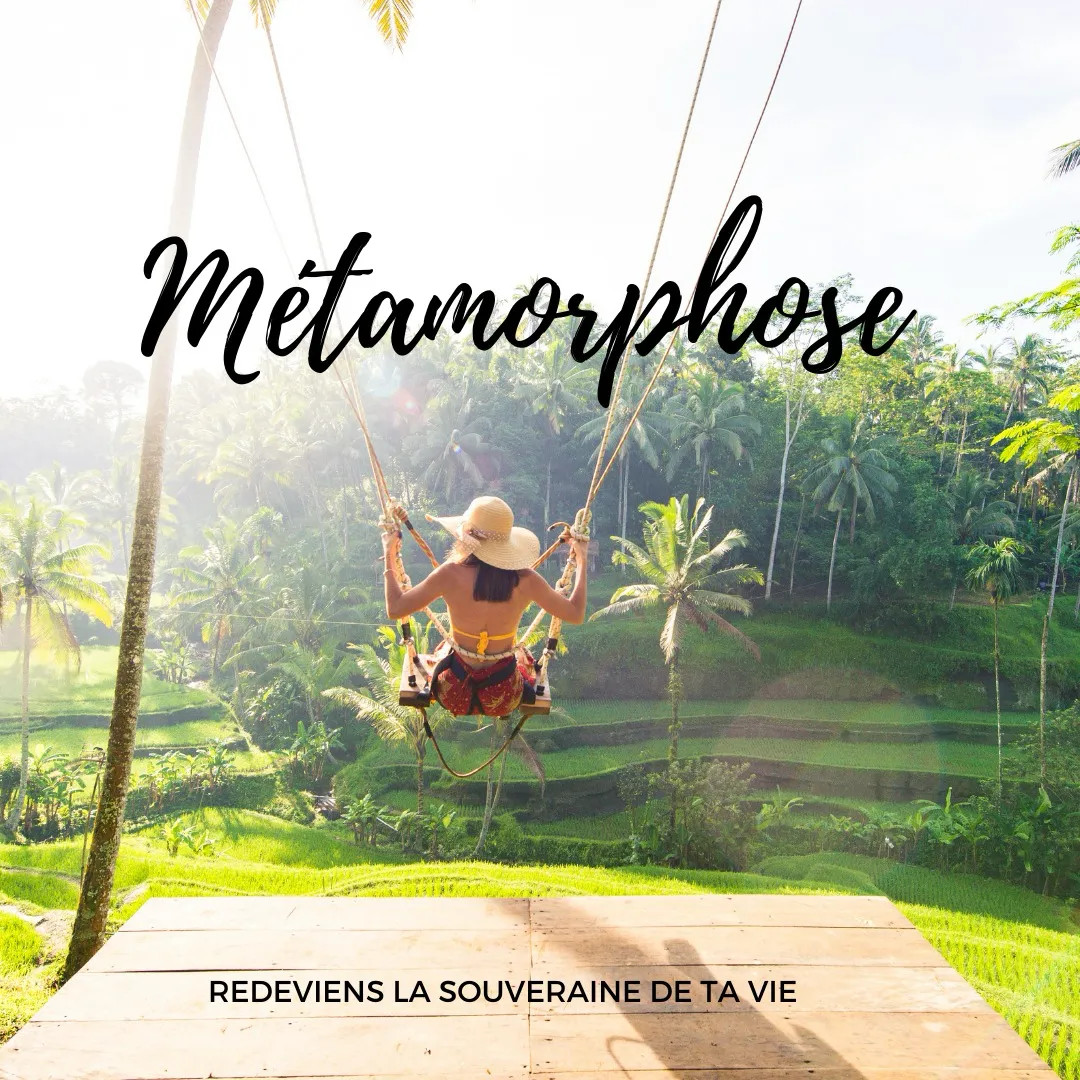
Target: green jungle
[(833, 643)]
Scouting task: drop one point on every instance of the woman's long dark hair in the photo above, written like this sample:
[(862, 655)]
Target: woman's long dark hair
[(492, 584)]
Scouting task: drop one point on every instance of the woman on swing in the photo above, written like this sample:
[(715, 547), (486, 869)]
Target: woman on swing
[(487, 583)]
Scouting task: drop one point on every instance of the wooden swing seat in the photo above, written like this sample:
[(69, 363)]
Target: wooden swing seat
[(414, 688)]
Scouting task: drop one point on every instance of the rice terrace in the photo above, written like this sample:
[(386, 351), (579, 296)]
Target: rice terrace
[(694, 694)]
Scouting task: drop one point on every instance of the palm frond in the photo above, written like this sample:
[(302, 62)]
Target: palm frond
[(392, 17), (263, 10), (725, 627), (1065, 158), (735, 538), (671, 634), (530, 758), (723, 601), (623, 607)]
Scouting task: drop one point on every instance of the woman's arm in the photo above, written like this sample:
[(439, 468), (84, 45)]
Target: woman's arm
[(570, 609), (403, 602)]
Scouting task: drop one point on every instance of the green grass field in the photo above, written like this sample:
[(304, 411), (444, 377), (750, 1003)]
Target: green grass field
[(1021, 951), (949, 758), (25, 984), (76, 740), (57, 689), (803, 655), (855, 713)]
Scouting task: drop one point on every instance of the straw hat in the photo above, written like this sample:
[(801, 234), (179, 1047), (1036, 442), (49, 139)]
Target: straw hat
[(487, 531)]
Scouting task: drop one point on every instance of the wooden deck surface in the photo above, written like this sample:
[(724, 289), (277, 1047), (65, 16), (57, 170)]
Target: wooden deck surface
[(872, 998)]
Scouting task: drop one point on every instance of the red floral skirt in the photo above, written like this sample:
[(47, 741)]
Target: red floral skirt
[(496, 690)]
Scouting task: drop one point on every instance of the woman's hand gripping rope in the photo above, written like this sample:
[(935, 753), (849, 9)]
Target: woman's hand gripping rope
[(390, 524), (577, 536)]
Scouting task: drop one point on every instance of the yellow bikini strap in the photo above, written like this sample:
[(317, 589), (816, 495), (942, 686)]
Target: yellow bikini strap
[(482, 639)]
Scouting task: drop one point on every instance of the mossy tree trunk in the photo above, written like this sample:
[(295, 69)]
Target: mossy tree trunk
[(674, 688), (88, 932)]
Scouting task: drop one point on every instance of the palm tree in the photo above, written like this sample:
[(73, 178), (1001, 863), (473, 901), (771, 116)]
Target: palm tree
[(794, 383), (944, 374), (1025, 369), (40, 580), (109, 384), (218, 578), (112, 495), (976, 514), (249, 466), (448, 445), (851, 475), (994, 569), (88, 930), (310, 673), (378, 703), (709, 413), (61, 492), (681, 574), (1059, 441), (312, 746), (921, 342), (1066, 158), (303, 607)]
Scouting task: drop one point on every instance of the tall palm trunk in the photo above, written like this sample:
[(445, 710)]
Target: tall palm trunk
[(674, 693), (24, 753), (1069, 483), (832, 559), (124, 545), (1042, 696), (944, 441), (420, 779), (789, 439), (960, 445), (997, 695), (547, 493), (88, 932), (345, 516), (625, 494), (1070, 480), (795, 547)]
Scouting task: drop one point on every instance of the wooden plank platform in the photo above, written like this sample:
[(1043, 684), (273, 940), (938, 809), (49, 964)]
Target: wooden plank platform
[(872, 999)]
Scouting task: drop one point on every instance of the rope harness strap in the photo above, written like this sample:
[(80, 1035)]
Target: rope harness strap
[(494, 757)]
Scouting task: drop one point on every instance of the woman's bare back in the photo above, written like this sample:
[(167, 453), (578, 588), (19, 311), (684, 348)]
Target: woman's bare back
[(454, 581)]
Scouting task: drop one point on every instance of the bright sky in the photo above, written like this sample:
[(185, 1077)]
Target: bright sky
[(907, 143)]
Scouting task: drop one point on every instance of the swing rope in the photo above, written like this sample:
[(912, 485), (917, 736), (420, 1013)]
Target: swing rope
[(727, 205), (393, 515), (472, 772), (598, 476)]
